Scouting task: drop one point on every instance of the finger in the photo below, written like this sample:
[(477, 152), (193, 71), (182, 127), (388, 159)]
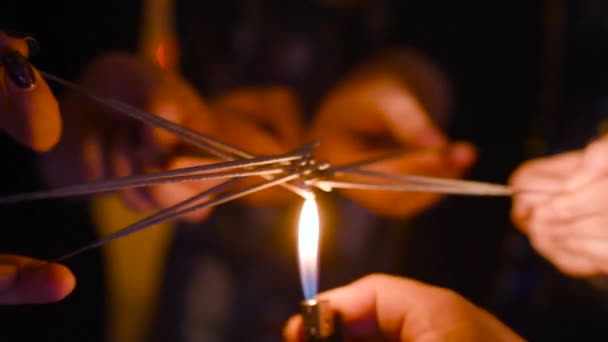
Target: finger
[(292, 332), (536, 181), (552, 240), (586, 201), (376, 306), (377, 106), (27, 281), (408, 120), (542, 173), (594, 164), (403, 113), (29, 112), (588, 257), (439, 163), (592, 227), (567, 261), (450, 162)]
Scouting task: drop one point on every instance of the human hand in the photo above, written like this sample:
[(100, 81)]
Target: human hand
[(28, 281), (30, 114), (388, 308), (376, 111), (101, 143), (560, 203), (28, 109)]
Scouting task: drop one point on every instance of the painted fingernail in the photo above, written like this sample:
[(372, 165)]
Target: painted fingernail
[(19, 70), (8, 273)]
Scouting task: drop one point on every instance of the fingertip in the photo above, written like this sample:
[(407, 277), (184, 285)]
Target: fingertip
[(45, 284), (63, 281), (293, 329), (463, 153)]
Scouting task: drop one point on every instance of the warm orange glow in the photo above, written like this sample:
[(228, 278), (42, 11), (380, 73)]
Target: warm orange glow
[(161, 55), (308, 247)]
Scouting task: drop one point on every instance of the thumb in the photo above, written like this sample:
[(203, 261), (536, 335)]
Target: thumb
[(406, 117), (28, 281)]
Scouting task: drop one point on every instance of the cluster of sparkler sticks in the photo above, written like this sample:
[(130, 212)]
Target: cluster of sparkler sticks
[(296, 171)]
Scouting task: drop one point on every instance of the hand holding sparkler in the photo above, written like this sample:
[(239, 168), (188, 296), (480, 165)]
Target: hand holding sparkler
[(566, 218), (388, 308), (29, 113), (383, 108), (28, 109)]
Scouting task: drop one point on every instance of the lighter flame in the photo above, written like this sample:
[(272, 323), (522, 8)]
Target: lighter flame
[(308, 247)]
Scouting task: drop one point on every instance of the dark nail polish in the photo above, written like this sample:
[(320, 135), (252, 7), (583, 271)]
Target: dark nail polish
[(19, 69)]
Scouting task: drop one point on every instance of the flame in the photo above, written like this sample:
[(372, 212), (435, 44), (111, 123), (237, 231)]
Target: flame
[(308, 247)]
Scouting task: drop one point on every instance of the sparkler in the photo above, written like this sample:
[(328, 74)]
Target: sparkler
[(296, 171)]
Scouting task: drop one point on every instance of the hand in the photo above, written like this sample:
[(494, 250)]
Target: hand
[(30, 114), (28, 110), (561, 204), (103, 143), (388, 308), (376, 111), (263, 121), (28, 281)]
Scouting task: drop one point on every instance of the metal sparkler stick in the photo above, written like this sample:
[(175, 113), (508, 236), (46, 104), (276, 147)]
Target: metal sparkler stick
[(240, 168), (277, 170), (187, 206), (197, 139)]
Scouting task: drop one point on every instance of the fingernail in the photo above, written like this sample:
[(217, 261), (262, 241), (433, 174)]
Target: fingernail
[(19, 70), (8, 273)]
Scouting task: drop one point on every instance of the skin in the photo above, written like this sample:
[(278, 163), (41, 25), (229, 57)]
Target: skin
[(377, 109), (562, 208), (381, 307), (32, 118)]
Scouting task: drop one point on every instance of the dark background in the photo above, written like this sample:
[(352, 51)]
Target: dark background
[(499, 61)]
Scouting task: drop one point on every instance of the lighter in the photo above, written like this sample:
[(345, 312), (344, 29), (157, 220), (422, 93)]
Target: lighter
[(320, 322)]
